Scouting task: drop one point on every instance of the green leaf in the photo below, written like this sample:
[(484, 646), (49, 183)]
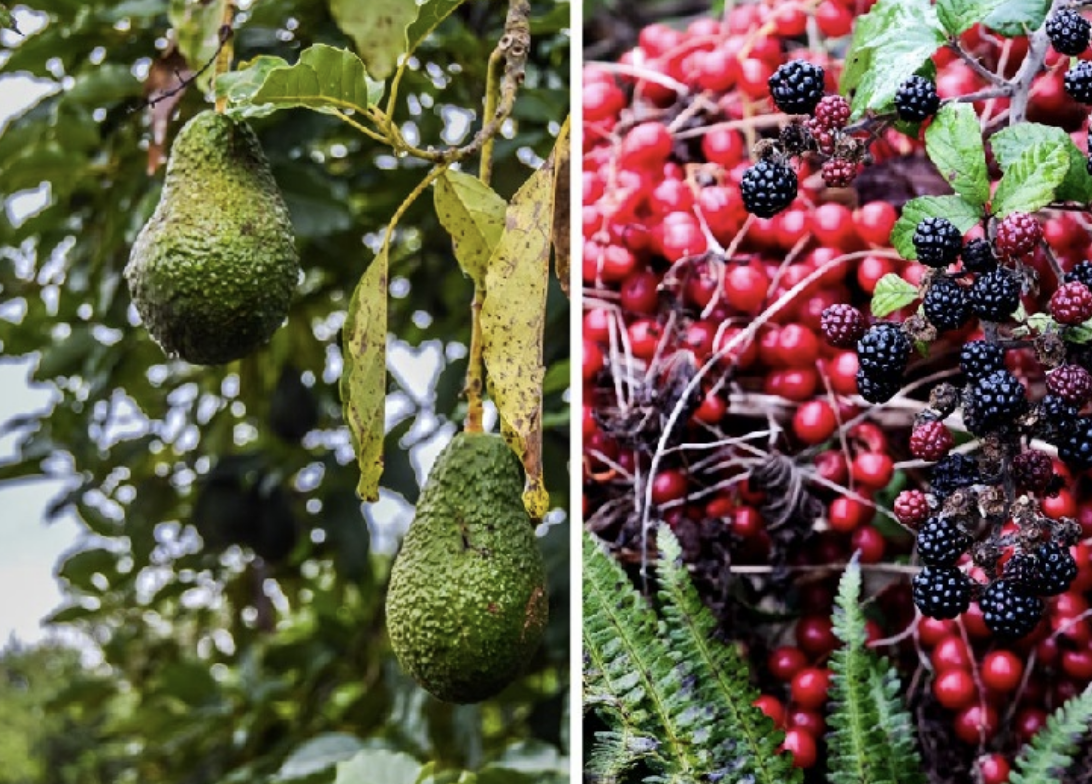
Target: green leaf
[(104, 85), (891, 294), (1052, 749), (1017, 17), (473, 215), (959, 16), (431, 13), (954, 144), (954, 208), (891, 43), (240, 85), (364, 376), (378, 766), (1008, 143), (319, 754), (1079, 333), (6, 20), (79, 568), (325, 79), (197, 30), (1031, 181), (377, 28), (1042, 322)]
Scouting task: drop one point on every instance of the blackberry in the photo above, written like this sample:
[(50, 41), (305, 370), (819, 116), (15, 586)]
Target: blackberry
[(1071, 304), (832, 112), (884, 350), (1072, 383), (994, 402), (823, 138), (946, 305), (842, 325), (979, 358), (877, 390), (911, 508), (838, 172), (1075, 444), (1022, 569), (1010, 610), (767, 188), (937, 242), (1068, 32), (1017, 235), (1057, 569), (978, 256), (931, 441), (953, 472), (1059, 418), (941, 542), (916, 99), (1081, 273), (941, 592), (1078, 82), (797, 86), (994, 295), (1032, 470)]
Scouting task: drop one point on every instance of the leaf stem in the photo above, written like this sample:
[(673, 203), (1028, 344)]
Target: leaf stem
[(223, 57)]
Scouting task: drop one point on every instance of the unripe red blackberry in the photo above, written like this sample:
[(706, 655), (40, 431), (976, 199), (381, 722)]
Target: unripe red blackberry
[(823, 137), (842, 325), (1017, 235), (838, 172), (911, 508), (1072, 383), (1032, 470), (931, 441), (1071, 304), (832, 112)]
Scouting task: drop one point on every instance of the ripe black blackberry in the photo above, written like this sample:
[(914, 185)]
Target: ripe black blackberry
[(1072, 383), (877, 389), (1068, 32), (842, 325), (1022, 569), (916, 99), (797, 86), (1075, 443), (994, 402), (941, 542), (1057, 569), (946, 305), (937, 242), (1081, 273), (1071, 303), (1032, 470), (1009, 610), (1057, 418), (767, 188), (941, 592), (953, 472), (994, 295), (884, 350), (979, 358), (1078, 82), (978, 256)]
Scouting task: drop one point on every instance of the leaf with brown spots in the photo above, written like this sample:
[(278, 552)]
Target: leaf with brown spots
[(562, 202), (473, 215), (364, 373), (513, 318), (378, 29)]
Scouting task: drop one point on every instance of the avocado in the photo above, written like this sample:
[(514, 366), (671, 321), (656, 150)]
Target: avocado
[(467, 603), (213, 270)]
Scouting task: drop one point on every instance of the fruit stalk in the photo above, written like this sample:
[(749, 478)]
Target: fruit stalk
[(223, 56)]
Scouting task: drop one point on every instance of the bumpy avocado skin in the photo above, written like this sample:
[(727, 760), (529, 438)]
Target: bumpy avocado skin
[(467, 602), (213, 270)]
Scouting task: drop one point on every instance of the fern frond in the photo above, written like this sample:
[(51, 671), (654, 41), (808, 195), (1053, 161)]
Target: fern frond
[(871, 739), (741, 738), (631, 680), (1044, 760)]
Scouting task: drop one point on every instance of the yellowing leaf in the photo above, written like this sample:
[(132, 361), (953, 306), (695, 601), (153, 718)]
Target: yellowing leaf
[(364, 373), (473, 215), (563, 162), (512, 320)]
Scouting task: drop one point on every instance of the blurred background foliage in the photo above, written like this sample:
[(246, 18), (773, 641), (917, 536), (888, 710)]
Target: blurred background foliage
[(230, 585)]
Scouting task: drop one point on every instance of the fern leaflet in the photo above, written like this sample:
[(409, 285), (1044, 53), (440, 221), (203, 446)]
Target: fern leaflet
[(871, 739), (1044, 760)]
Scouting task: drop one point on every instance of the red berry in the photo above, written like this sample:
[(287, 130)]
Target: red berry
[(669, 485), (810, 686), (646, 146), (954, 689), (1002, 670), (772, 707), (838, 172), (870, 542), (950, 654), (872, 469), (832, 112), (814, 422), (802, 745), (911, 508), (815, 635), (931, 441), (994, 769), (1018, 234), (1072, 383), (976, 723), (1071, 304), (785, 661)]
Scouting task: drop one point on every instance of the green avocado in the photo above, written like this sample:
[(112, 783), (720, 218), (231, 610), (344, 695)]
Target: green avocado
[(213, 270), (467, 603)]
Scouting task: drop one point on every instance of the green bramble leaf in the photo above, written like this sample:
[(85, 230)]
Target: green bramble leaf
[(892, 293), (959, 16), (954, 208), (1080, 333), (890, 43), (1008, 143), (1041, 322), (1017, 17), (1031, 180), (954, 144)]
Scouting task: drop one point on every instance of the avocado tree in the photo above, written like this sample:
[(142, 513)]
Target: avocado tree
[(241, 518)]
